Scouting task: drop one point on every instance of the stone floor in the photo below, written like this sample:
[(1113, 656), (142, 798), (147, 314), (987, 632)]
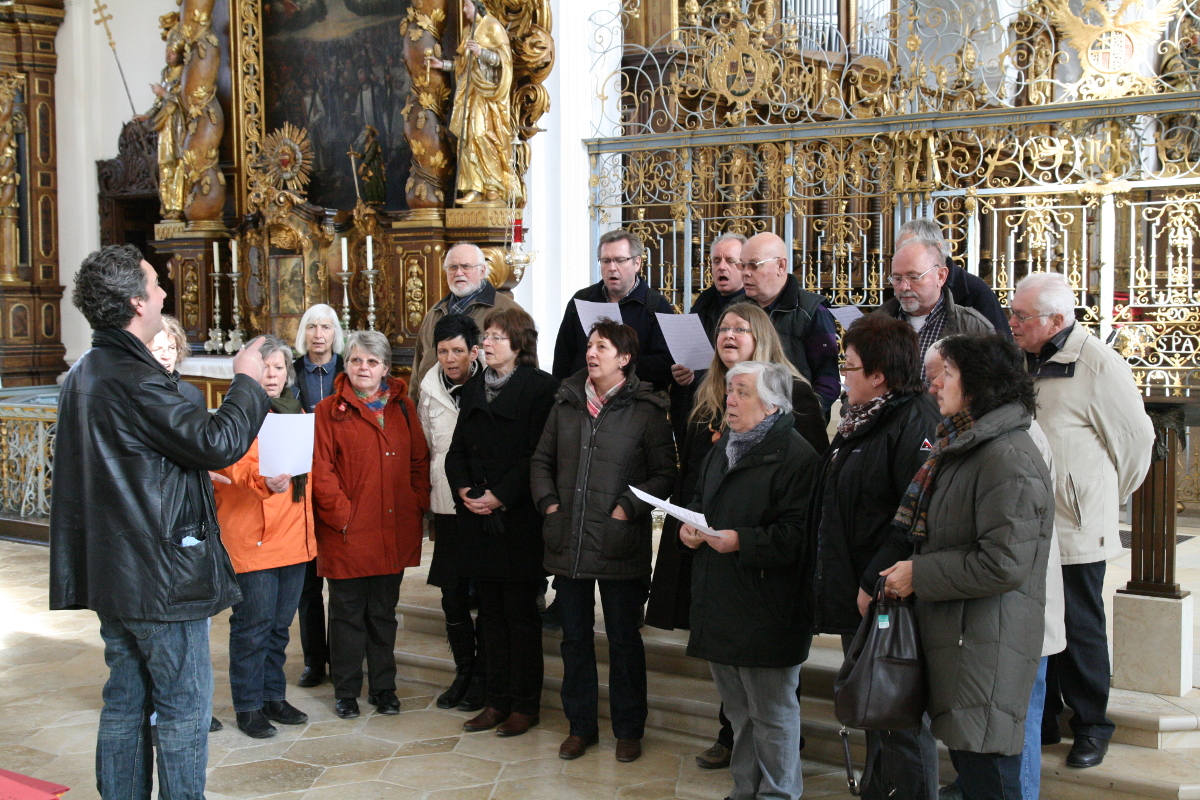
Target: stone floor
[(52, 670)]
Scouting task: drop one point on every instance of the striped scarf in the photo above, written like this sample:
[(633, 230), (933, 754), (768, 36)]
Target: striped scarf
[(376, 402), (914, 508), (595, 403)]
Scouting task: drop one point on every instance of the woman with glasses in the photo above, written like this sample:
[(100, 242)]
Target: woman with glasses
[(170, 348), (745, 333), (371, 491), (502, 411), (881, 442)]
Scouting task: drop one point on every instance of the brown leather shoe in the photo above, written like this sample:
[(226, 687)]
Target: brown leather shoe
[(517, 723), (488, 719), (629, 749), (575, 746)]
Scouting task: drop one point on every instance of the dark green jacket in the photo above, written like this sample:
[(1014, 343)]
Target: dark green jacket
[(980, 581), (748, 609), (587, 465)]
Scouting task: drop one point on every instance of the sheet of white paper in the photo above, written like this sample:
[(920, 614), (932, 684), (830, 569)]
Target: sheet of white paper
[(590, 313), (687, 340), (693, 518), (846, 315), (285, 445)]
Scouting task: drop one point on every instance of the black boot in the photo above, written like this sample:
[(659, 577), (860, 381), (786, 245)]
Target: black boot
[(476, 695), (462, 644)]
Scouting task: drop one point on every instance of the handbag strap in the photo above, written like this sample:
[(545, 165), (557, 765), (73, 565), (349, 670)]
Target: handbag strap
[(855, 785)]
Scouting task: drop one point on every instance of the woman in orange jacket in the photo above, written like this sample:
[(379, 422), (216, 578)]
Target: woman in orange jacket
[(267, 527)]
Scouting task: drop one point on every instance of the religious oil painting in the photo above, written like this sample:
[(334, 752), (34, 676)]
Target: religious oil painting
[(336, 68)]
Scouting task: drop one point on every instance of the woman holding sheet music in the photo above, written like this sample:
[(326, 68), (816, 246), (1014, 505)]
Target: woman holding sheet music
[(267, 527), (607, 431)]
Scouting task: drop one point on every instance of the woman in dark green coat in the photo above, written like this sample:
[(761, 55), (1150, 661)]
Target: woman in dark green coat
[(980, 512)]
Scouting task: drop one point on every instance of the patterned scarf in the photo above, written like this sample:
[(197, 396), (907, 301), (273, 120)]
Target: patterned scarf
[(739, 443), (493, 382), (376, 402), (287, 404), (459, 305), (595, 403), (857, 416), (914, 508)]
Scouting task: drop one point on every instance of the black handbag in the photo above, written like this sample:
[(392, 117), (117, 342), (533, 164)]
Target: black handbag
[(882, 685)]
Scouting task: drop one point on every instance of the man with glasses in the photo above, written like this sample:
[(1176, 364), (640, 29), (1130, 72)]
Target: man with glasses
[(620, 259), (1101, 438), (801, 317), (922, 300), (470, 293)]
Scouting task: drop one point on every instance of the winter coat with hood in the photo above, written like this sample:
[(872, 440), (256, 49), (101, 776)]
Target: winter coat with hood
[(439, 414), (370, 484), (980, 582), (585, 465)]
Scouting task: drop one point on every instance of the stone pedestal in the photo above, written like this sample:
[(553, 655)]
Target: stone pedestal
[(1152, 644)]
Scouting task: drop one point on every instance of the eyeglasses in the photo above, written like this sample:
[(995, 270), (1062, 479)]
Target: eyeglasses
[(492, 337), (843, 367), (620, 261), (1012, 312), (162, 351), (739, 331), (463, 268), (358, 361), (757, 264), (913, 280)]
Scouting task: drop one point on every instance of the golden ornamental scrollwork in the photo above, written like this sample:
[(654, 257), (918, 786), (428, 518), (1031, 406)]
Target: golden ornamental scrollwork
[(248, 95)]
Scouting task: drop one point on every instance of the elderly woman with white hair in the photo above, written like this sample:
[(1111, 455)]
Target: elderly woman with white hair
[(747, 614), (371, 492)]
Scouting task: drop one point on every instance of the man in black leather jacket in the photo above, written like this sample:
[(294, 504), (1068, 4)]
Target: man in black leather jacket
[(133, 529)]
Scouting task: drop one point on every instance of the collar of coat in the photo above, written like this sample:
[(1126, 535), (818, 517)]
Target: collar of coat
[(572, 391), (433, 387), (889, 408), (639, 294), (486, 297), (1062, 363), (1008, 417), (347, 403), (507, 404), (121, 339)]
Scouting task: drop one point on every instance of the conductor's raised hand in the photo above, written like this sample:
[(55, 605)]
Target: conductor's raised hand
[(248, 360)]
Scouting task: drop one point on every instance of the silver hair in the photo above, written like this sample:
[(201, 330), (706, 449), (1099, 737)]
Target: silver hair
[(1052, 293), (636, 246), (925, 231), (372, 343), (316, 313), (480, 257), (772, 381), (272, 345), (725, 237)]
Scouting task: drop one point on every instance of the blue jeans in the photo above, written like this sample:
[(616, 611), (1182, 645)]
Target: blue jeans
[(1031, 756), (622, 601), (258, 634), (163, 667)]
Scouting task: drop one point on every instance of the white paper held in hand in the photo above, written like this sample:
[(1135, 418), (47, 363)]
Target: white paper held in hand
[(285, 445), (686, 339), (590, 313), (693, 518), (846, 315)]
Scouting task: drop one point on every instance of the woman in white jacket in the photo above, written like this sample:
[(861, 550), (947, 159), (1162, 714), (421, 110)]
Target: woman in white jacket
[(456, 341)]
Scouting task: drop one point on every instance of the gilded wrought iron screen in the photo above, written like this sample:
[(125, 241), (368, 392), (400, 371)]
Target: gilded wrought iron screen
[(1057, 134)]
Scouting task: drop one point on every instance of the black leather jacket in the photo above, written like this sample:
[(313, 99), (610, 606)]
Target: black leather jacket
[(131, 462)]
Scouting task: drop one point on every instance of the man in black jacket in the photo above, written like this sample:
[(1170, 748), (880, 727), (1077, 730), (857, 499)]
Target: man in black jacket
[(133, 527), (620, 256)]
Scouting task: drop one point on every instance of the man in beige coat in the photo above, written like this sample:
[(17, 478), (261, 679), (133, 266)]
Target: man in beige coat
[(470, 293), (1101, 438)]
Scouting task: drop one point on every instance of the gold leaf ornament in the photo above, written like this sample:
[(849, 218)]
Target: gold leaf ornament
[(286, 159)]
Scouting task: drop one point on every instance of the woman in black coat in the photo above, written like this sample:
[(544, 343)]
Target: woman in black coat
[(499, 530), (884, 437)]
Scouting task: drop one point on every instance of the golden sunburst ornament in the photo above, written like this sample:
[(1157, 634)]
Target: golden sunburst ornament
[(287, 158)]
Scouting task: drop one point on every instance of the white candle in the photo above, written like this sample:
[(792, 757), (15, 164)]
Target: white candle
[(216, 258), (370, 252), (233, 245), (345, 256)]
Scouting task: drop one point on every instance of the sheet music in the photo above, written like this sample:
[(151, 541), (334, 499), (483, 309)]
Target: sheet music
[(285, 445), (693, 518), (590, 313), (846, 315), (687, 340)]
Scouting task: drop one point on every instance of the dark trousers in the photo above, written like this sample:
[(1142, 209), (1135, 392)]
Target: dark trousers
[(987, 776), (312, 619), (258, 634), (622, 602), (1079, 676), (512, 637), (362, 622)]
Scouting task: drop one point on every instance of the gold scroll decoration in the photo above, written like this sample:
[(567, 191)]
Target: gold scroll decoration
[(425, 113), (204, 184), (10, 178)]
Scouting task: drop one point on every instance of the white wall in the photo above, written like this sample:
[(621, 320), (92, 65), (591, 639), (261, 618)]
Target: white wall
[(92, 106)]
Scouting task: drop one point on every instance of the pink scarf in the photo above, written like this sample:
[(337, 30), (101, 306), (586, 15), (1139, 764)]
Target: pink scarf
[(595, 403)]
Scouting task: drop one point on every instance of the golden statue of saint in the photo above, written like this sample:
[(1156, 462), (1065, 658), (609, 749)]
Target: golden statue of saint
[(481, 120), (169, 119)]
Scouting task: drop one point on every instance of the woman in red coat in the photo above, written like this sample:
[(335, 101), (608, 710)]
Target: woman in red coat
[(370, 490)]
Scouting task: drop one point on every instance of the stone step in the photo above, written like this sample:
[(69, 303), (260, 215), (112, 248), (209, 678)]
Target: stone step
[(682, 699)]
